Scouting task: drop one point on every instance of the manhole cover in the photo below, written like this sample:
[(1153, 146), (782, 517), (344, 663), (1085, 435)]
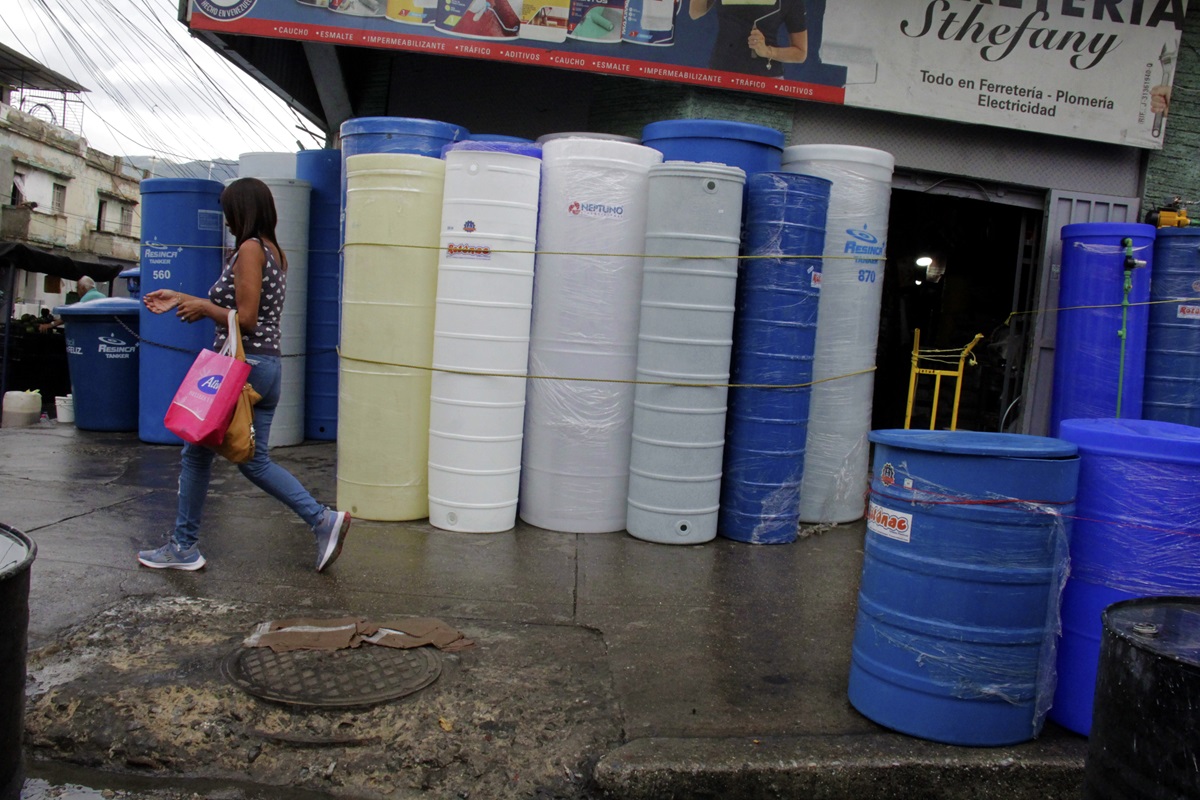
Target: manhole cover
[(348, 678)]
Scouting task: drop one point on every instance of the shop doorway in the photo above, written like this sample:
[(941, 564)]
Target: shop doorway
[(958, 264)]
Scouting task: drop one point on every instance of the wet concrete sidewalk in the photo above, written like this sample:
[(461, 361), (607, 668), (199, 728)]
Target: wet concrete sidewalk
[(605, 666)]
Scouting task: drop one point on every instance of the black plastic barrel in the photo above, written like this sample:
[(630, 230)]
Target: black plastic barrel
[(1145, 740), (17, 552)]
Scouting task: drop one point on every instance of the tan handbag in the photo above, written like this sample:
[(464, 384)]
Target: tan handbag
[(239, 443)]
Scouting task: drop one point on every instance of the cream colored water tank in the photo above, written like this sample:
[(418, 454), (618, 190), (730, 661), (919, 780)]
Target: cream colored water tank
[(393, 211)]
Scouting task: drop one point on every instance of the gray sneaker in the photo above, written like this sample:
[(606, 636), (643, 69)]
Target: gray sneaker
[(331, 534), (169, 556)]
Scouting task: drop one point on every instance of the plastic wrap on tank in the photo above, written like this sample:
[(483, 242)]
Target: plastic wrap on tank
[(772, 366), (525, 148), (965, 561), (583, 338)]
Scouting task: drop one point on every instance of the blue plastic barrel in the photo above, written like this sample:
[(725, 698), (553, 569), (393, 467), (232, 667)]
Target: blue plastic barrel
[(965, 551), (1136, 535), (1098, 372), (1172, 390), (133, 281), (322, 169), (418, 137), (102, 356), (754, 148), (182, 239), (774, 332)]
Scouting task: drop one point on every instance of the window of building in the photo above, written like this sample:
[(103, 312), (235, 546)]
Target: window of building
[(59, 203), (127, 220), (18, 188), (100, 214)]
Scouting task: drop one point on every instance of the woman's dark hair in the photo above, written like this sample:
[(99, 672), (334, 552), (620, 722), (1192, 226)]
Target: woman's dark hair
[(249, 211)]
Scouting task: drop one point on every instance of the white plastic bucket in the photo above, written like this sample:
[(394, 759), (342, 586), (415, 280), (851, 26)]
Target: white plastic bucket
[(64, 408)]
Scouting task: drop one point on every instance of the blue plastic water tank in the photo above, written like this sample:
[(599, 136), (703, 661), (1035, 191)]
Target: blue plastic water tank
[(418, 137), (1136, 535), (102, 355), (754, 148), (965, 551), (774, 332), (182, 239), (1088, 365), (1172, 390), (322, 169), (133, 281)]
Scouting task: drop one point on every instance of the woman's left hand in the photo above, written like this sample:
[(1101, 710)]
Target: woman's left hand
[(758, 43), (190, 309)]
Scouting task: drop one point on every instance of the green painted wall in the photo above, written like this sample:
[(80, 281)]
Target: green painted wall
[(625, 106), (1175, 170)]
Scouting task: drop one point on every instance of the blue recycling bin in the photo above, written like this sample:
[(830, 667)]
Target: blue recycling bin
[(102, 356)]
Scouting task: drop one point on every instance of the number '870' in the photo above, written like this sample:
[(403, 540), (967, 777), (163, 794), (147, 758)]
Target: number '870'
[(866, 276)]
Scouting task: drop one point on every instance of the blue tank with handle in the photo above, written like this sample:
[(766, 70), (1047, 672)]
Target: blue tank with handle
[(1100, 343), (1172, 390), (182, 246), (965, 552), (774, 335)]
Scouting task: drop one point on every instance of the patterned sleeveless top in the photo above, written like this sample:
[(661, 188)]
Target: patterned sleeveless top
[(265, 339)]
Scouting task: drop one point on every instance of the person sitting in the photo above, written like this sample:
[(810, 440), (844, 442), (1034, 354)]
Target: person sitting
[(85, 287)]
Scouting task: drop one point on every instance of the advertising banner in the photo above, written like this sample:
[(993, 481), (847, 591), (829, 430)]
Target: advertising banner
[(1092, 69)]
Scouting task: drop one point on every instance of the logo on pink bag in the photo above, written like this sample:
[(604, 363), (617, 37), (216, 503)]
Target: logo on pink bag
[(209, 384)]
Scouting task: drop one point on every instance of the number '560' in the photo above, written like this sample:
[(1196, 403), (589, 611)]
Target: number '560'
[(164, 274)]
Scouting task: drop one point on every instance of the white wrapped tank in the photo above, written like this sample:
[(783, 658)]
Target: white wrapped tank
[(834, 485), (591, 231)]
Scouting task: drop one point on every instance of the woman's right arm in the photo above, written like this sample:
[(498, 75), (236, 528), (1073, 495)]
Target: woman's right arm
[(698, 8)]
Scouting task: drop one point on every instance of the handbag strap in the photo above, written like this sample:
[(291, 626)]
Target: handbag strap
[(233, 338)]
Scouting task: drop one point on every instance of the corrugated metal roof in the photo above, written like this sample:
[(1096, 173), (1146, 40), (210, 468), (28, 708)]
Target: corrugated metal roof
[(21, 72)]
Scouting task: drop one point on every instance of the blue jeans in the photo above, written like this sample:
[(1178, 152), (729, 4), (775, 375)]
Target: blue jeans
[(266, 375)]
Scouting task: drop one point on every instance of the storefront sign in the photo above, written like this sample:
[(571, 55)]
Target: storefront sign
[(1092, 69)]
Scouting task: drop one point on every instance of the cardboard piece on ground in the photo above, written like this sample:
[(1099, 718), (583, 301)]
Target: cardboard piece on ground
[(303, 633)]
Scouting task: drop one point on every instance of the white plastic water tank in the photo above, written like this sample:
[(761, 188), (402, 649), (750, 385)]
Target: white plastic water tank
[(591, 231), (291, 230), (689, 288), (836, 473), (393, 211), (484, 301), (267, 165)]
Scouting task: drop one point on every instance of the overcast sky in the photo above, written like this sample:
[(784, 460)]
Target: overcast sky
[(155, 90)]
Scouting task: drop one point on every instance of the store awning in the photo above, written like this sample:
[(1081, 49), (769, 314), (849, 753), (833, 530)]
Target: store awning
[(33, 259)]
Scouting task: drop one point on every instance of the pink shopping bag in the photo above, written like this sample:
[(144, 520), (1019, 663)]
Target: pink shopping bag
[(204, 403)]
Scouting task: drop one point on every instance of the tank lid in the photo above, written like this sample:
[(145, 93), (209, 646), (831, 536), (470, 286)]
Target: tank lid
[(17, 551), (107, 306), (497, 137), (1191, 231), (407, 126), (1166, 626), (531, 149), (976, 443), (699, 169), (839, 152), (713, 129), (132, 272), (1107, 229), (612, 137), (1136, 438), (201, 185)]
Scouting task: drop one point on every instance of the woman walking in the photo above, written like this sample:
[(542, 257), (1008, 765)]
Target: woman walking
[(252, 282)]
